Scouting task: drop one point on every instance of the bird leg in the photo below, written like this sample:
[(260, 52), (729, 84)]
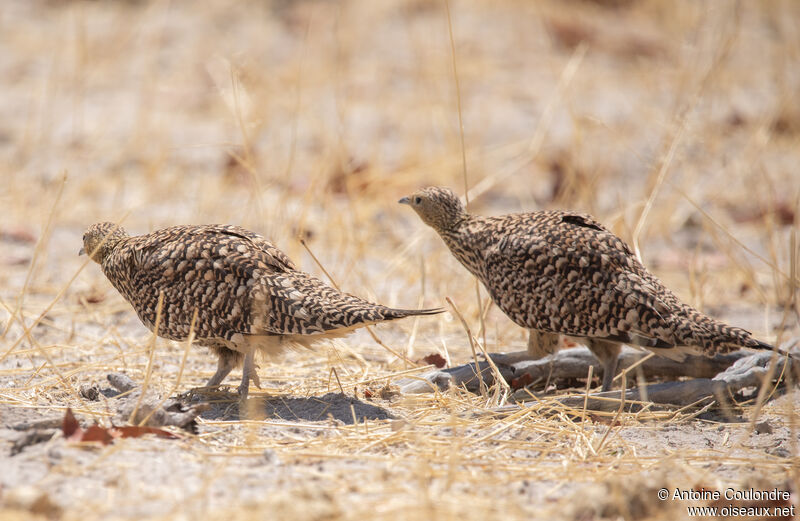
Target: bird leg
[(249, 373), (225, 364), (608, 353), (541, 344)]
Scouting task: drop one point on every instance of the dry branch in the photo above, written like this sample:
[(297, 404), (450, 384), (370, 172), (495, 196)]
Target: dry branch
[(151, 408), (715, 378), (575, 362)]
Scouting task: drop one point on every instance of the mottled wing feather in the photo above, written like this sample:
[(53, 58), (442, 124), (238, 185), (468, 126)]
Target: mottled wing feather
[(272, 255), (676, 323), (209, 268), (571, 275), (565, 272)]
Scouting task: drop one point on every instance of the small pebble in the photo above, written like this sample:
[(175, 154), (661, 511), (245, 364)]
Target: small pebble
[(271, 457), (780, 452), (90, 392), (763, 428), (121, 382)]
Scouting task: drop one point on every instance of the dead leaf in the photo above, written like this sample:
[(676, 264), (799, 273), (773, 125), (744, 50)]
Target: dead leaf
[(95, 298), (15, 261), (349, 176), (570, 33), (523, 381), (69, 425), (106, 435), (18, 235), (94, 433), (596, 418), (435, 359), (780, 211)]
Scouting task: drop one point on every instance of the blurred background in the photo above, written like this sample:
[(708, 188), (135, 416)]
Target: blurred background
[(676, 123)]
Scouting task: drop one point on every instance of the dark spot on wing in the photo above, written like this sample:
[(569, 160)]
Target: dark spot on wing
[(580, 220)]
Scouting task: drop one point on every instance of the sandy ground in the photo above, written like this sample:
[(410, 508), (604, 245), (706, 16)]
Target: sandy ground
[(288, 468), (310, 119)]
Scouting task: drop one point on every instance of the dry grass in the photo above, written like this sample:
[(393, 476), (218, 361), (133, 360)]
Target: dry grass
[(674, 122)]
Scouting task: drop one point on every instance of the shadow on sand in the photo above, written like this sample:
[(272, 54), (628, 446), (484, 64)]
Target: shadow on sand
[(315, 408)]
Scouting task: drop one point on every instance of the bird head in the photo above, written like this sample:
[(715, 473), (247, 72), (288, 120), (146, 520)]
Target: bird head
[(440, 208), (100, 240)]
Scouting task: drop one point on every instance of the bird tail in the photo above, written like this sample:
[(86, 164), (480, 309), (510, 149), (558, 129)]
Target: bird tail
[(785, 351), (716, 336), (394, 313), (297, 303), (758, 344), (361, 313), (366, 314)]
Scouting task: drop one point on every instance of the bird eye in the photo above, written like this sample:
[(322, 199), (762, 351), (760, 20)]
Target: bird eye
[(417, 200)]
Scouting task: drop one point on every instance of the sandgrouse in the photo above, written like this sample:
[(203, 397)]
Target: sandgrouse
[(248, 294), (563, 273)]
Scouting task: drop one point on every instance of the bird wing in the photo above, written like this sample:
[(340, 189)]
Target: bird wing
[(269, 253), (567, 273), (207, 241), (214, 269)]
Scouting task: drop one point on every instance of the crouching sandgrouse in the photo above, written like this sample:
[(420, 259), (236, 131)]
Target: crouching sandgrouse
[(247, 293), (563, 273)]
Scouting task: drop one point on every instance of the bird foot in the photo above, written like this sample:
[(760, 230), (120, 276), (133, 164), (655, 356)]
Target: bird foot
[(244, 389), (205, 393), (255, 379)]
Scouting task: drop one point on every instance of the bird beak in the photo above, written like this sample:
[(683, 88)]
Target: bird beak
[(404, 200), (81, 252)]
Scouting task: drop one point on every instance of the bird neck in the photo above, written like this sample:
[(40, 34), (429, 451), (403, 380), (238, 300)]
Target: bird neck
[(455, 225), (108, 248), (467, 241)]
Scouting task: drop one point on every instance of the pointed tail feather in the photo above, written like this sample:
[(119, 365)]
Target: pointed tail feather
[(394, 313), (297, 303), (785, 351), (369, 316), (763, 346)]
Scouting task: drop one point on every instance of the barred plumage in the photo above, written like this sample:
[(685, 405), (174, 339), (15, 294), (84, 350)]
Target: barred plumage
[(248, 294), (564, 273)]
